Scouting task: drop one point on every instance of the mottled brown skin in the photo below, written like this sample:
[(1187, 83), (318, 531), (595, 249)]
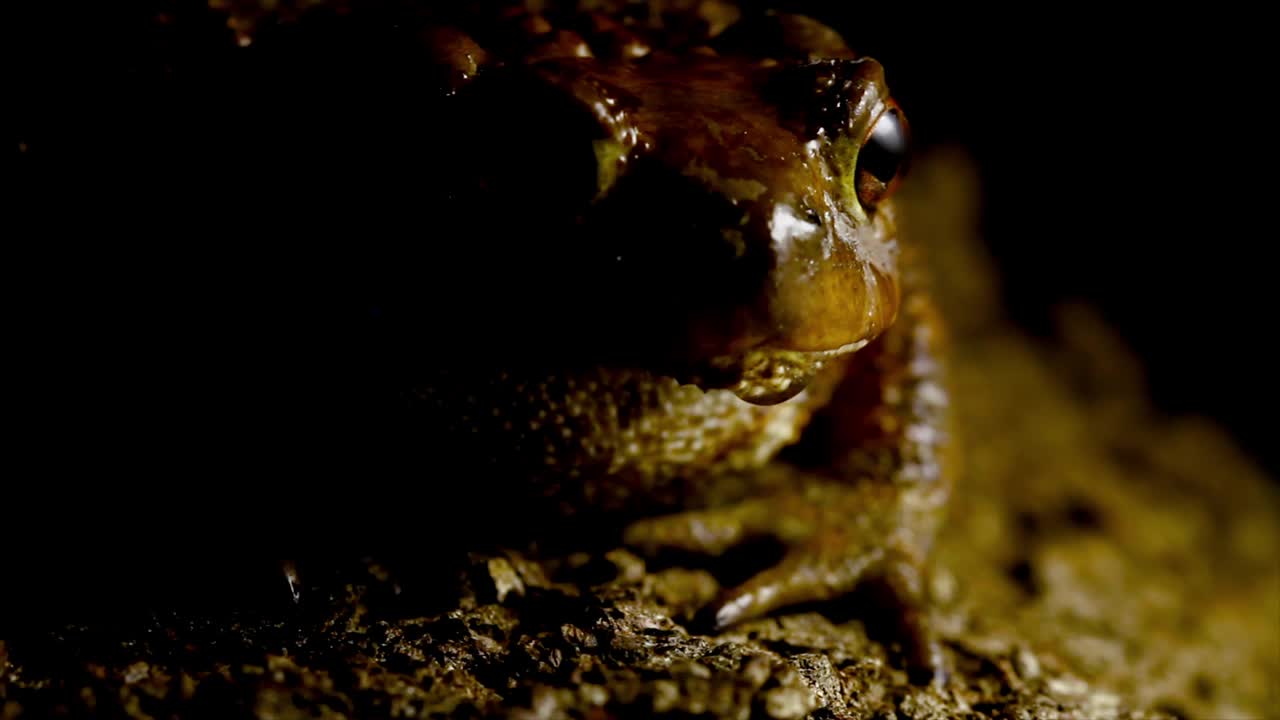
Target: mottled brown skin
[(723, 276)]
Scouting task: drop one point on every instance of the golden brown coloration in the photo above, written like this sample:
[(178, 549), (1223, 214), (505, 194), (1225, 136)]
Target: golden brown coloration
[(666, 242)]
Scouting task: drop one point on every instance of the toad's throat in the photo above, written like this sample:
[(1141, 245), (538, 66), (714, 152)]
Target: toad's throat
[(609, 422)]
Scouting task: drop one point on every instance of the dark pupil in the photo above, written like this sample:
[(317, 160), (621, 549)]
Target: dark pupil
[(885, 148)]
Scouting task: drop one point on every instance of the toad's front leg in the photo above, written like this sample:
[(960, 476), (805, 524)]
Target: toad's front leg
[(859, 499)]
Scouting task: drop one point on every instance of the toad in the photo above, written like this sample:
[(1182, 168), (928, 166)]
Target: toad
[(658, 271)]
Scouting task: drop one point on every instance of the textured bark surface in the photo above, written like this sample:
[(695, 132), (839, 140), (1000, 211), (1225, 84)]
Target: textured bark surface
[(1100, 561)]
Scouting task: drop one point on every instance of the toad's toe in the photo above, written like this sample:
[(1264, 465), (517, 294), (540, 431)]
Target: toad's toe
[(837, 540)]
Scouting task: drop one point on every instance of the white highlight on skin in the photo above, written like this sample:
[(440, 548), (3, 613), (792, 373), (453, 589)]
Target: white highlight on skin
[(786, 227)]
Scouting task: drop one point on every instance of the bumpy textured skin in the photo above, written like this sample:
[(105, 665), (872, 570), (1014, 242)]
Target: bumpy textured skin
[(662, 201), (662, 312), (860, 498), (613, 433)]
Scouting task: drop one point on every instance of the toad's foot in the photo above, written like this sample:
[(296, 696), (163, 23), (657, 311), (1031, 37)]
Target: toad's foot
[(838, 537)]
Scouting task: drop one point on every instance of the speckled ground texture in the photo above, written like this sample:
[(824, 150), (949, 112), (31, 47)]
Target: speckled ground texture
[(1099, 562)]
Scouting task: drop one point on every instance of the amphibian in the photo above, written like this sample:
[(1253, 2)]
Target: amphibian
[(655, 247)]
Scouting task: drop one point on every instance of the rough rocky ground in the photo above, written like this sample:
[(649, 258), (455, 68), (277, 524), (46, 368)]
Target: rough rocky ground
[(1099, 562)]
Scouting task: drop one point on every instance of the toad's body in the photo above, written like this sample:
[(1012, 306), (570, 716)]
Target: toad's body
[(665, 249)]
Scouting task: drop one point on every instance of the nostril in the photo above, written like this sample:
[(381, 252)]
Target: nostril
[(810, 214)]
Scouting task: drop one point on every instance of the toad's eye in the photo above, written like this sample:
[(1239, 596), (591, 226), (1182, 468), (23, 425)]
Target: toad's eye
[(881, 158)]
